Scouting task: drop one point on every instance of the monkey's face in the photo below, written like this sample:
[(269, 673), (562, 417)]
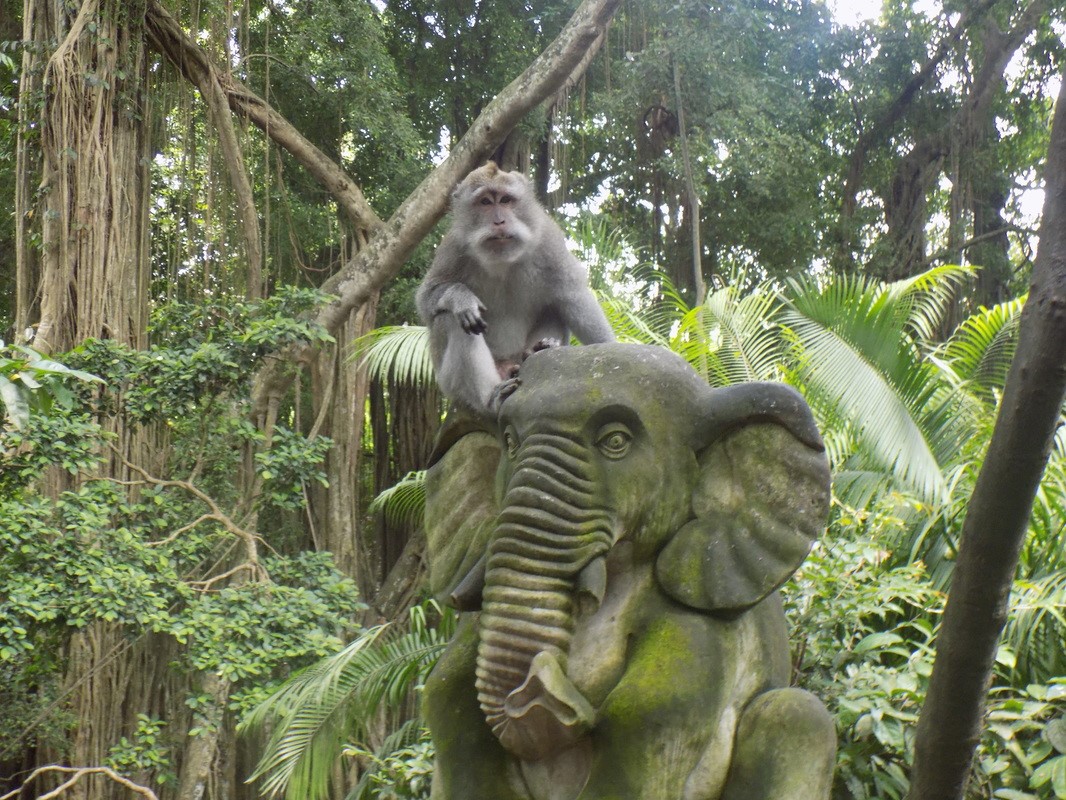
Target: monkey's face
[(499, 219)]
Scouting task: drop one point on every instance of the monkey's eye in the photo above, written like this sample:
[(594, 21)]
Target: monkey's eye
[(506, 199), (613, 440), (486, 201), (510, 441)]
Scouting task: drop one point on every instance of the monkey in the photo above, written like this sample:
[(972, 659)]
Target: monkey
[(502, 285)]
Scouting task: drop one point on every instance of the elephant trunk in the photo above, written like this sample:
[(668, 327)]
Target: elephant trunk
[(551, 529)]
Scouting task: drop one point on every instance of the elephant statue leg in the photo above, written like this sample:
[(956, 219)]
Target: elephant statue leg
[(785, 748), (471, 764)]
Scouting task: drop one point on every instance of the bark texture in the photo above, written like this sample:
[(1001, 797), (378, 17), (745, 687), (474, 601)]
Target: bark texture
[(998, 516)]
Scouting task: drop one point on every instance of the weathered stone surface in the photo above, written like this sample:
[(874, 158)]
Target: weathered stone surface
[(629, 642)]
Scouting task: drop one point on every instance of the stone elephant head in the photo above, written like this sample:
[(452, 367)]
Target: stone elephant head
[(625, 639)]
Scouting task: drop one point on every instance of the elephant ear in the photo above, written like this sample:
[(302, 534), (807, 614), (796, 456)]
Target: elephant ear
[(461, 508), (761, 499)]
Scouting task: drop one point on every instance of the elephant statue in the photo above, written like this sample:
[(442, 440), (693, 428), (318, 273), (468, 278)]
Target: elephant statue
[(616, 539)]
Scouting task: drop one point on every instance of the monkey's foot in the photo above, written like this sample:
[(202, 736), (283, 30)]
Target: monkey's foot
[(546, 344)]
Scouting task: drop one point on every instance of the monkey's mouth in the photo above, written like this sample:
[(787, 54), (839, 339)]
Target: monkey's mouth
[(502, 237)]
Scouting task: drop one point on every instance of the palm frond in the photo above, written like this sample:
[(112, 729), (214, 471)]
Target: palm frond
[(397, 353), (982, 347), (405, 502), (857, 384), (927, 296), (653, 324), (732, 338), (319, 710), (1036, 627)]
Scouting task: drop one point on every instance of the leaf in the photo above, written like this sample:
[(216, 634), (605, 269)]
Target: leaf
[(877, 641), (15, 401), (855, 352), (1055, 733), (397, 353)]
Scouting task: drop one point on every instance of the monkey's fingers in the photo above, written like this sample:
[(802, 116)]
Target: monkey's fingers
[(472, 322)]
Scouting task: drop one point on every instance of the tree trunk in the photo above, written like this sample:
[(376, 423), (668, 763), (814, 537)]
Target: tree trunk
[(91, 274), (340, 392), (998, 515), (94, 259)]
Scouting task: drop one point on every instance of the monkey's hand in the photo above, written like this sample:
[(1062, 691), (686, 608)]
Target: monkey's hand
[(472, 320), (457, 299), (502, 392)]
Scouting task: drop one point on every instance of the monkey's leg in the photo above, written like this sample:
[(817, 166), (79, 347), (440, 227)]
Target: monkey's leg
[(785, 749), (467, 370)]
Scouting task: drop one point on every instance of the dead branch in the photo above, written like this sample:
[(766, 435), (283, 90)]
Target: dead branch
[(76, 774)]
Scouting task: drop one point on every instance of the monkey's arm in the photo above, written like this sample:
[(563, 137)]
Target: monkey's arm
[(457, 300), (585, 318)]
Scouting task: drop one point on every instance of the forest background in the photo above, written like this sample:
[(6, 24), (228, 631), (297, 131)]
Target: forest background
[(214, 203)]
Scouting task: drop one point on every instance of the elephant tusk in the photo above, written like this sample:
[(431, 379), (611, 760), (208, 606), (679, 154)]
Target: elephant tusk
[(592, 585)]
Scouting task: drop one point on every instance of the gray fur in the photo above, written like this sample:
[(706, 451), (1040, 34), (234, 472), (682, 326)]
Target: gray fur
[(501, 283)]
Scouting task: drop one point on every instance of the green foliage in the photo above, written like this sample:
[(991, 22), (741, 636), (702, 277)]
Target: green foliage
[(863, 629), (251, 629), (292, 462), (31, 384), (401, 770), (145, 751), (168, 557), (752, 81), (318, 710), (396, 353), (67, 440), (405, 502)]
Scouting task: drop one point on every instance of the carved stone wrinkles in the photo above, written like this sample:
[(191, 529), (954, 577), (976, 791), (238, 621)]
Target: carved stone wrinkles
[(549, 532)]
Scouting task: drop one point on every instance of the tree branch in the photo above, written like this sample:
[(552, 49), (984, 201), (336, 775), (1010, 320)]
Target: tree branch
[(392, 243), (167, 37), (998, 516), (76, 774), (891, 114)]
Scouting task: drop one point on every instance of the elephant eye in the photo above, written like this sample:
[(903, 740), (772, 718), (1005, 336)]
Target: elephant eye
[(510, 441), (613, 440)]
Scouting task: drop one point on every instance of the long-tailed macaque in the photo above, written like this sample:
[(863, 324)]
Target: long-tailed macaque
[(502, 285)]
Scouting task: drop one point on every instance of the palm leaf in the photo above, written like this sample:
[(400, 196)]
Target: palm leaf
[(926, 297), (404, 502), (642, 326), (982, 347), (732, 338), (318, 710), (396, 353), (853, 351), (1036, 627)]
